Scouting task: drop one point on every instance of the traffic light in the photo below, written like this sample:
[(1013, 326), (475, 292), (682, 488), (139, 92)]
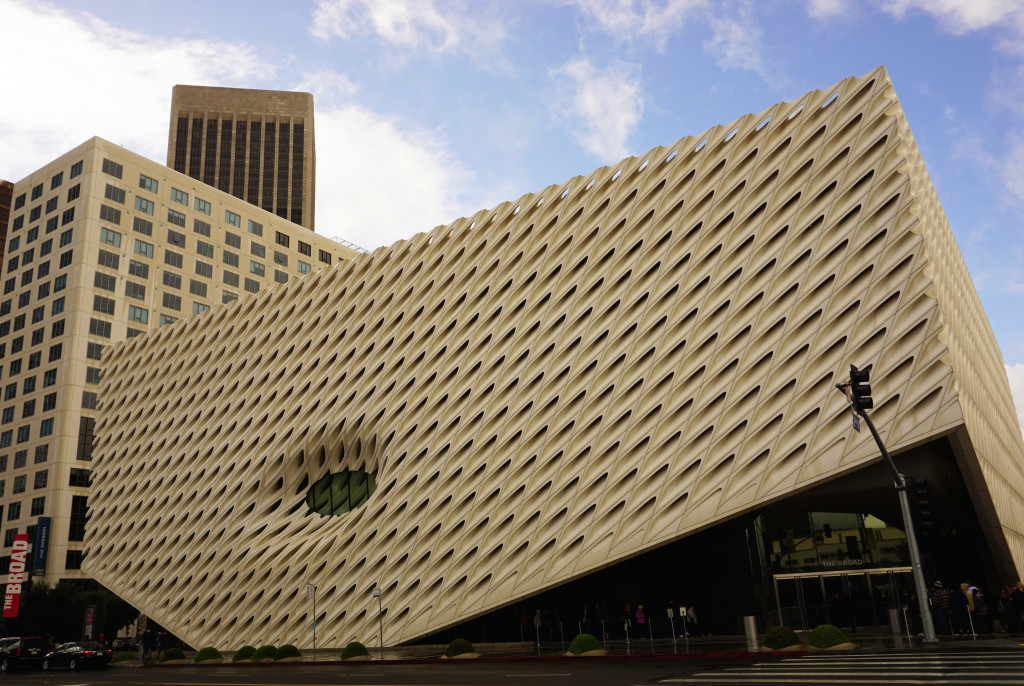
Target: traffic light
[(860, 389)]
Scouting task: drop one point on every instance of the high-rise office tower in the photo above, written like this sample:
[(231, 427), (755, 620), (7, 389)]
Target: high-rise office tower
[(106, 245), (256, 145)]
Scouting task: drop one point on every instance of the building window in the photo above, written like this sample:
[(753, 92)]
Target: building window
[(174, 259), (79, 510), (172, 302), (19, 485), (171, 279), (93, 351), (86, 426), (199, 308), (143, 226), (6, 438), (255, 227), (167, 319), (232, 218), (205, 249), (42, 452), (66, 217), (231, 279), (197, 288), (46, 427), (280, 276), (57, 328), (23, 300), (76, 169), (19, 202), (38, 504), (26, 277), (304, 267), (202, 206), (176, 218), (55, 352), (10, 285), (51, 205), (144, 205), (180, 197), (112, 168), (49, 403), (73, 559), (105, 281), (111, 237), (80, 478), (114, 193), (139, 269), (204, 269), (103, 305), (39, 481), (305, 249), (98, 327), (176, 238), (138, 314), (146, 183), (201, 227), (44, 267), (50, 375), (58, 305), (325, 257), (135, 290), (109, 260), (74, 192), (13, 512), (28, 409), (65, 260), (282, 239), (228, 296), (7, 416), (233, 239), (35, 212), (37, 191), (257, 249), (257, 268), (9, 541), (24, 434), (231, 259), (88, 400), (110, 214), (34, 360), (143, 248), (252, 286), (280, 258), (93, 374)]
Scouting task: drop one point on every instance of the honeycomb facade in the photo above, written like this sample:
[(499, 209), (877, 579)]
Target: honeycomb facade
[(554, 385)]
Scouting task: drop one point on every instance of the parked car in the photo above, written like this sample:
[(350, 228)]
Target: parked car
[(27, 651), (78, 655)]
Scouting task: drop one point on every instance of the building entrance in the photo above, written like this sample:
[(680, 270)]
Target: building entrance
[(846, 599)]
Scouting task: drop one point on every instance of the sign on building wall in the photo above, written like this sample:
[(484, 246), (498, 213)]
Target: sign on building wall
[(16, 575), (41, 546)]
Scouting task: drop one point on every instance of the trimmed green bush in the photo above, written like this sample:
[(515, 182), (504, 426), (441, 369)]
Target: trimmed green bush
[(354, 649), (779, 637), (286, 651), (459, 646), (208, 653), (172, 654), (825, 636), (584, 643), (124, 657), (243, 653), (264, 652)]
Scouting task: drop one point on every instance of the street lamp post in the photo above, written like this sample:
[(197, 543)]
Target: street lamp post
[(858, 394), (380, 617), (311, 594)]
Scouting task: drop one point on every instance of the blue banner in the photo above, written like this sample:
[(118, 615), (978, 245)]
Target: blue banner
[(42, 544)]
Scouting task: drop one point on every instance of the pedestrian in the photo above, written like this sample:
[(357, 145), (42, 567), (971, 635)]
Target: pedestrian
[(148, 643), (939, 606), (979, 610), (641, 620), (1017, 604)]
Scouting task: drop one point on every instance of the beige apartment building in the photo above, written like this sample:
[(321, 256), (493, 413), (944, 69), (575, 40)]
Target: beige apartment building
[(257, 145), (104, 245)]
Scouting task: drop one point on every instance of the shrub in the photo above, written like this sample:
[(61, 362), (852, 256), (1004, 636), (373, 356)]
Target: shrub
[(354, 649), (779, 637), (125, 657), (172, 654), (243, 653), (286, 651), (825, 636), (584, 643), (459, 646), (208, 653), (264, 652)]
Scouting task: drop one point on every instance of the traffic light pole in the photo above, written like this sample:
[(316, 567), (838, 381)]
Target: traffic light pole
[(908, 526)]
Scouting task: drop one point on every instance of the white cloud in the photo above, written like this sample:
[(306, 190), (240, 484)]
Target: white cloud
[(820, 9), (1013, 168), (414, 25), (1015, 373), (629, 20), (736, 42), (600, 107), (89, 78), (958, 16), (377, 182)]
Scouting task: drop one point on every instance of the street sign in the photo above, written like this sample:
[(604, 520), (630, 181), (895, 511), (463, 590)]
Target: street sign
[(310, 591), (856, 422)]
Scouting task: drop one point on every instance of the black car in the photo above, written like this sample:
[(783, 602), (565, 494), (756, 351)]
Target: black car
[(78, 655), (27, 651)]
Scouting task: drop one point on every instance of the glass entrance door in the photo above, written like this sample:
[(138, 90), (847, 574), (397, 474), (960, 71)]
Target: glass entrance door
[(801, 602), (845, 599)]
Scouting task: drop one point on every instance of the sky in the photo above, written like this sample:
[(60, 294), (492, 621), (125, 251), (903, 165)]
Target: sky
[(429, 110)]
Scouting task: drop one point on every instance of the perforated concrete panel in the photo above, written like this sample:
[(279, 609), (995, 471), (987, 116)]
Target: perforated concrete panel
[(551, 386)]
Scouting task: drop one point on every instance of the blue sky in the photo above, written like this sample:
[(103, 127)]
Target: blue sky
[(430, 110)]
